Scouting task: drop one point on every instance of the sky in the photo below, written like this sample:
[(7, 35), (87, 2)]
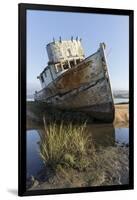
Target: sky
[(42, 26)]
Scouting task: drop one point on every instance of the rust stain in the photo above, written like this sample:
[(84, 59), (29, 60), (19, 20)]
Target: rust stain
[(73, 78), (70, 81)]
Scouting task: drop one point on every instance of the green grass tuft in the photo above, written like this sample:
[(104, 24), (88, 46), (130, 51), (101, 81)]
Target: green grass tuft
[(66, 145)]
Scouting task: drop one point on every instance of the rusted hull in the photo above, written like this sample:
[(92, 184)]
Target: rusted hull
[(86, 87)]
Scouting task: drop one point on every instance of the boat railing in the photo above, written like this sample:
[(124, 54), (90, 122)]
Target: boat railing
[(38, 94)]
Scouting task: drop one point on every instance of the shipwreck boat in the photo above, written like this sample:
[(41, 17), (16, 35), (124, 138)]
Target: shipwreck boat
[(72, 82)]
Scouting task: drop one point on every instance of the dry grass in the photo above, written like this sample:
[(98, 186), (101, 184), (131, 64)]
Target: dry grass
[(121, 116), (66, 146)]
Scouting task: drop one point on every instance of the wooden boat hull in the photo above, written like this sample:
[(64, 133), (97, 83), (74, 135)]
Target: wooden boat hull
[(86, 87)]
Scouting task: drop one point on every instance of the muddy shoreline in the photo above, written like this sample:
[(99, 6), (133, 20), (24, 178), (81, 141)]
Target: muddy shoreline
[(110, 168)]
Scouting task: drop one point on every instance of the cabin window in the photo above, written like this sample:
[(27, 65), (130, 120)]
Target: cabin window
[(65, 66), (78, 61), (72, 63), (42, 79), (58, 68), (45, 73)]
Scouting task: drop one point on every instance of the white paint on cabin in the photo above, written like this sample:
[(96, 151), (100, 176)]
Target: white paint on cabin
[(45, 77), (63, 55), (65, 50)]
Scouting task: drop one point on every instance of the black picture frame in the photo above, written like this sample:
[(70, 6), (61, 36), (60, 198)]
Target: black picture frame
[(22, 8)]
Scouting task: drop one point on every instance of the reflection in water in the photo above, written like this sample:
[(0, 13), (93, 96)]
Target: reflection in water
[(34, 162), (102, 135), (122, 135)]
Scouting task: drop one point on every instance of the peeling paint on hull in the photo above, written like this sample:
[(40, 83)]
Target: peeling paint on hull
[(86, 87)]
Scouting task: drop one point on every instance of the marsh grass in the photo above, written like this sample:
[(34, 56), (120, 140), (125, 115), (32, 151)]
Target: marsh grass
[(65, 146)]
